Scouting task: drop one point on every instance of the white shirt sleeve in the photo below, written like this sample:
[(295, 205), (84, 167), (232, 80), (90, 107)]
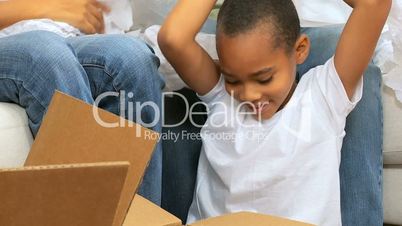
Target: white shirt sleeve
[(325, 82), (216, 94)]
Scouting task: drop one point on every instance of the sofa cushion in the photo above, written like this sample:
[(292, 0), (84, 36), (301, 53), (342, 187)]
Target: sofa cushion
[(392, 195), (392, 127), (15, 136)]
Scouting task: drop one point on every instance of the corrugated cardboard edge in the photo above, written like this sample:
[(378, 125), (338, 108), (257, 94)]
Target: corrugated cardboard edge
[(66, 166)]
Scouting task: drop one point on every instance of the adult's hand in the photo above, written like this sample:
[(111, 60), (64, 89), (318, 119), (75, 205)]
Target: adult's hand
[(86, 15)]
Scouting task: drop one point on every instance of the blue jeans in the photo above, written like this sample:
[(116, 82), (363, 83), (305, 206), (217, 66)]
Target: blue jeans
[(361, 166), (35, 64)]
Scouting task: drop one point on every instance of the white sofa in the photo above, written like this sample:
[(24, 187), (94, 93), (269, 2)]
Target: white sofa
[(15, 136), (392, 158), (16, 139)]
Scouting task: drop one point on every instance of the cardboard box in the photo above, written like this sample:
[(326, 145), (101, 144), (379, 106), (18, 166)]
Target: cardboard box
[(49, 195), (145, 213), (70, 134)]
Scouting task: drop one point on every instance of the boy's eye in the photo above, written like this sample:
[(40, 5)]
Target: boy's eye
[(266, 80), (232, 82)]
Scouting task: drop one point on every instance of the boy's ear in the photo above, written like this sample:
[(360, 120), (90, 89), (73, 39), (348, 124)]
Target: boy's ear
[(302, 48)]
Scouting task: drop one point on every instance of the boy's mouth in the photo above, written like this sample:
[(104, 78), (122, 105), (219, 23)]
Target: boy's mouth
[(260, 107)]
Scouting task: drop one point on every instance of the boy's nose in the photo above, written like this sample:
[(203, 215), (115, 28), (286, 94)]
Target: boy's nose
[(249, 93)]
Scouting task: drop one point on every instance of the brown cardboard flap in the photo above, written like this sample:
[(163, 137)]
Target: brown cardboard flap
[(144, 213), (248, 219), (70, 134), (79, 195)]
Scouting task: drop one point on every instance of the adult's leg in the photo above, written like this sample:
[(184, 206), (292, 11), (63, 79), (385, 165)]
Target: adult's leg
[(35, 64), (180, 157), (120, 63), (361, 156)]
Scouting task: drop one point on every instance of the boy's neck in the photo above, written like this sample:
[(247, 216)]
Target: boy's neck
[(292, 90)]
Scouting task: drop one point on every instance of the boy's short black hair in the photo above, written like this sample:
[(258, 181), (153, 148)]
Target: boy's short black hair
[(279, 16)]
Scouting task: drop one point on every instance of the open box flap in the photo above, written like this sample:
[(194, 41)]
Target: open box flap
[(145, 213), (70, 133), (61, 195), (248, 219)]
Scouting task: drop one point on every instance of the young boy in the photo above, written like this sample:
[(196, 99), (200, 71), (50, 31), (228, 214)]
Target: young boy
[(271, 144)]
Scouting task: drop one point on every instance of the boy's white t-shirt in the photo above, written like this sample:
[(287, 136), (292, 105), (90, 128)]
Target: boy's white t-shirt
[(288, 166)]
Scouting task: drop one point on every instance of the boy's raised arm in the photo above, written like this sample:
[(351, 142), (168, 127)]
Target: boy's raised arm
[(359, 39), (177, 42)]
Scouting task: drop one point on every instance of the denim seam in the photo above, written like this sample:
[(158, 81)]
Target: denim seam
[(381, 169), (103, 67), (1, 77), (382, 129), (104, 70)]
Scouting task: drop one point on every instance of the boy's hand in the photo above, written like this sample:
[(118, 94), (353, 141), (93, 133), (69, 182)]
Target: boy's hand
[(86, 15), (359, 40)]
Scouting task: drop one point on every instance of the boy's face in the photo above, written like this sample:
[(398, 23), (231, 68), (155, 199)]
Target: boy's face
[(258, 73)]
